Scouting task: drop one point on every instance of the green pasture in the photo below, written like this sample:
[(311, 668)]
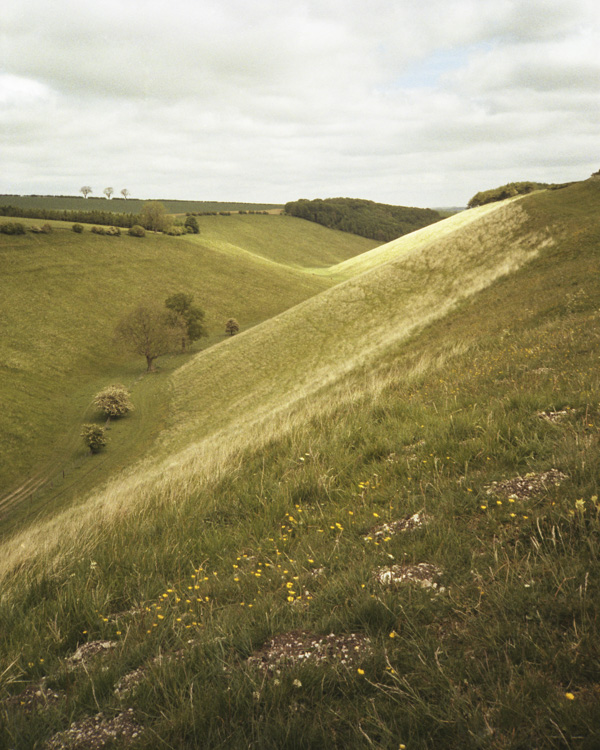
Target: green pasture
[(63, 293), (421, 385)]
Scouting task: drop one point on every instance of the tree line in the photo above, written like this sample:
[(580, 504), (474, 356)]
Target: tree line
[(106, 218), (510, 190), (377, 221)]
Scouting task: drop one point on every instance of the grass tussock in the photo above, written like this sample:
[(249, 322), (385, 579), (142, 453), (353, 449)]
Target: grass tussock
[(197, 578)]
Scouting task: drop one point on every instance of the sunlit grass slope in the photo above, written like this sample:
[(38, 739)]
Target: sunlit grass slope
[(264, 521), (392, 250), (283, 239), (63, 293)]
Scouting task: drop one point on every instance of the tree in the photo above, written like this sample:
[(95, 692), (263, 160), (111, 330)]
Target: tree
[(232, 326), (181, 304), (125, 193), (150, 331), (85, 190), (114, 401), (154, 216), (93, 437), (191, 225), (108, 192)]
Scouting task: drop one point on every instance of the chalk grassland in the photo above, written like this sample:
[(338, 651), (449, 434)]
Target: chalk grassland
[(266, 521), (62, 295)]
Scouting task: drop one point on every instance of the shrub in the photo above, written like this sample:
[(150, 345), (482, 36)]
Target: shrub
[(175, 231), (137, 231), (46, 229), (98, 230), (12, 227), (77, 228), (114, 401), (35, 229), (191, 225), (93, 437), (113, 232)]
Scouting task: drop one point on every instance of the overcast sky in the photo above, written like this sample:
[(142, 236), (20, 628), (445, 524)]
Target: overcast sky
[(411, 102)]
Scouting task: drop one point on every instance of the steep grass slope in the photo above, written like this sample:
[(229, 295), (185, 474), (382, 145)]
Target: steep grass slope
[(404, 552), (62, 295)]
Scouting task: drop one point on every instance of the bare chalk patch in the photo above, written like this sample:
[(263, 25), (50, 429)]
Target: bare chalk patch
[(89, 651), (425, 575), (521, 488), (303, 647), (400, 525), (95, 732)]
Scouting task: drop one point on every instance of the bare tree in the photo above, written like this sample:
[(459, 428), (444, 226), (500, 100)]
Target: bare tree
[(108, 192), (85, 190), (125, 193)]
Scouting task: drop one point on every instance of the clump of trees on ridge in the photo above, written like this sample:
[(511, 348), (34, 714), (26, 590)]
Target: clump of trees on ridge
[(377, 221), (510, 190)]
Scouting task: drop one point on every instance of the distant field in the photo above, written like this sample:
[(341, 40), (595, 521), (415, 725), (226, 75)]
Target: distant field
[(130, 206)]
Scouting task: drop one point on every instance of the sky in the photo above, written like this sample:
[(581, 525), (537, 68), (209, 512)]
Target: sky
[(403, 102)]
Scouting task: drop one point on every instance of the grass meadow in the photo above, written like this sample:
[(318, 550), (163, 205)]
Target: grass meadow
[(62, 295), (386, 534)]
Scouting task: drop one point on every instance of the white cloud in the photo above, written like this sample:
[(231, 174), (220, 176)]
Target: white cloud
[(402, 102)]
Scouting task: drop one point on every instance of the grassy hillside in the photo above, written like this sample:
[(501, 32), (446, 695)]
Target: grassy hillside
[(381, 531), (62, 295)]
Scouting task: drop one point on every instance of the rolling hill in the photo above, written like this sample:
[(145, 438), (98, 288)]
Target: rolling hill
[(63, 294), (370, 520)]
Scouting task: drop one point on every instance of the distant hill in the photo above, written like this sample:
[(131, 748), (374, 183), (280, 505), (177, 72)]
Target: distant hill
[(377, 221), (121, 205)]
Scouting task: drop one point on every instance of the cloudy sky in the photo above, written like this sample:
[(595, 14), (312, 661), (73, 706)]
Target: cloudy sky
[(401, 101)]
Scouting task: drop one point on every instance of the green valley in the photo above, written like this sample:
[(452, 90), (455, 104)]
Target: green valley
[(370, 519)]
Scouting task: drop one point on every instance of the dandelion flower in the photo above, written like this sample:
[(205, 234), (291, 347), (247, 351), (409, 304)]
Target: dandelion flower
[(360, 671), (569, 696)]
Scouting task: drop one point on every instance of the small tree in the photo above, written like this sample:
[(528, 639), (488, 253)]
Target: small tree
[(85, 190), (108, 192), (191, 225), (125, 193), (150, 331), (181, 305), (93, 437), (154, 217), (114, 401), (232, 326), (77, 228), (137, 231)]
